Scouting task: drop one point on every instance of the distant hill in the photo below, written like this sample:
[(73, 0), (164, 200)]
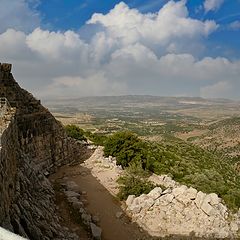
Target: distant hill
[(223, 136)]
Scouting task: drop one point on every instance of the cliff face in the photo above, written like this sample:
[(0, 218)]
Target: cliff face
[(33, 144)]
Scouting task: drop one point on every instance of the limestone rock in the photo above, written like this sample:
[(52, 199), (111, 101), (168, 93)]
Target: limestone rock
[(155, 193), (130, 200), (119, 214), (185, 212), (199, 198), (165, 199), (71, 194), (95, 219), (86, 218), (179, 190), (96, 231), (207, 208)]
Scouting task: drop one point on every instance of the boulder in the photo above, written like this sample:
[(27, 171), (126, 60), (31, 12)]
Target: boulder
[(86, 218), (72, 186), (207, 208), (192, 193), (70, 194), (165, 199), (135, 208), (199, 199), (147, 203), (77, 205), (96, 231), (95, 219), (213, 199), (223, 211), (155, 193), (119, 214), (167, 191), (179, 190), (130, 199), (187, 196)]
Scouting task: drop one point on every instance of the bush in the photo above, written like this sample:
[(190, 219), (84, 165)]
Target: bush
[(134, 182), (96, 138), (186, 163), (126, 147), (75, 132)]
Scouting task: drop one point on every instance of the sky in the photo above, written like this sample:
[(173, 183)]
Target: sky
[(76, 48)]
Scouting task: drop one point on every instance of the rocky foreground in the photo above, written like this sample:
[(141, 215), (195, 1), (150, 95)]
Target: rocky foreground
[(171, 209)]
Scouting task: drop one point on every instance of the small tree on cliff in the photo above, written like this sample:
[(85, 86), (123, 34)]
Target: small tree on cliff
[(126, 147), (75, 132)]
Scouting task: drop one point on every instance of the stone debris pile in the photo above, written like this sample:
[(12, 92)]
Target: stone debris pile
[(78, 202), (105, 169), (179, 210)]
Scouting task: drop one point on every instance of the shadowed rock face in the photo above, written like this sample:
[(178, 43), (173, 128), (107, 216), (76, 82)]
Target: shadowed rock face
[(32, 144)]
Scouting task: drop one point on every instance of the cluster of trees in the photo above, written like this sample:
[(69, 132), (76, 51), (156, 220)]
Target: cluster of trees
[(81, 135), (184, 162)]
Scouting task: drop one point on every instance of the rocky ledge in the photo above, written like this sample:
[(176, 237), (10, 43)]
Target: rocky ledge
[(172, 210), (176, 209)]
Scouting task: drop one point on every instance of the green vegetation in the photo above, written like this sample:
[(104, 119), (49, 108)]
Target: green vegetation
[(186, 163), (134, 182), (79, 134), (75, 132), (126, 147), (98, 139)]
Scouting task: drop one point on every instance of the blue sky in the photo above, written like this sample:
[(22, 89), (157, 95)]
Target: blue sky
[(73, 14), (164, 47)]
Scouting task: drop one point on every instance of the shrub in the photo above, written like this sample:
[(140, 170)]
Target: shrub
[(96, 138), (134, 182), (126, 147), (75, 132), (186, 163)]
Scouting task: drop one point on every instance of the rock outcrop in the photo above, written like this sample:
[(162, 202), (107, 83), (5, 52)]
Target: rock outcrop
[(33, 144), (180, 210)]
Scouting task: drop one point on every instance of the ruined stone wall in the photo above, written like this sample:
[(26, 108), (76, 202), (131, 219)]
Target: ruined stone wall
[(32, 145), (40, 135)]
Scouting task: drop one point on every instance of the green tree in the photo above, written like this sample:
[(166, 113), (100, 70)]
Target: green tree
[(75, 132), (126, 147)]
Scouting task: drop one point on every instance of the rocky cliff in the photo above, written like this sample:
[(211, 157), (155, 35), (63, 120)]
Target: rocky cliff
[(33, 144)]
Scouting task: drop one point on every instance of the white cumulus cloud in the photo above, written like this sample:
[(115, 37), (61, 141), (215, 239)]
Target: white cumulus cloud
[(218, 90), (235, 25), (131, 53), (212, 5), (17, 14), (172, 22)]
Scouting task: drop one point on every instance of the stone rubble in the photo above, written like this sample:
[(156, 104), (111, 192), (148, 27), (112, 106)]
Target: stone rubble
[(183, 211), (104, 169), (77, 201), (172, 209)]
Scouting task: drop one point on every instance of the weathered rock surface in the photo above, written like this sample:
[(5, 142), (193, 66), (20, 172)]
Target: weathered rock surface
[(76, 202), (33, 143), (96, 231), (180, 210), (104, 169)]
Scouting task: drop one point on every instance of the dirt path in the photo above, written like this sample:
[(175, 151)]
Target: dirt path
[(102, 204)]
